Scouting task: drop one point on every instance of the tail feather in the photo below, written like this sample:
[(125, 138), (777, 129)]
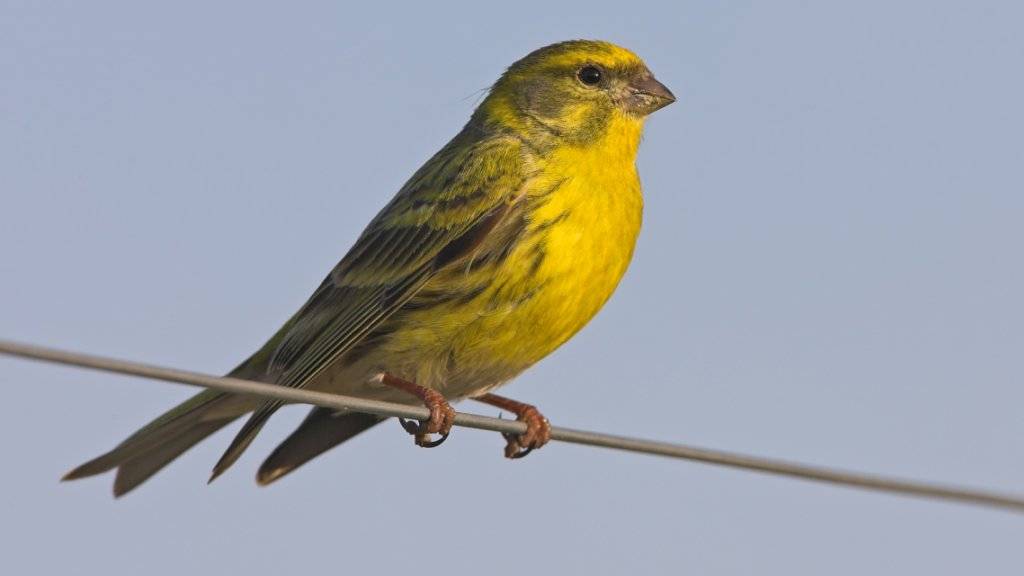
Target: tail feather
[(98, 465), (132, 473), (157, 444), (153, 446), (245, 437), (322, 430)]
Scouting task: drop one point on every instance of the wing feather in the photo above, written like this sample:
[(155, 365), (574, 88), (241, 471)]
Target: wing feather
[(399, 252), (445, 210)]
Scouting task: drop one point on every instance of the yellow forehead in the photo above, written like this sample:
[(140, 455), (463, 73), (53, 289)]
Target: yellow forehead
[(577, 52)]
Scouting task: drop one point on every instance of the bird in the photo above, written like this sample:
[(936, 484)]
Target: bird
[(498, 250)]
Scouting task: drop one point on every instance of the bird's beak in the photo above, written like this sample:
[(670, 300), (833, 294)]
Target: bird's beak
[(645, 95)]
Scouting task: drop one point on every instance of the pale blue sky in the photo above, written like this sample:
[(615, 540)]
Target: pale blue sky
[(830, 271)]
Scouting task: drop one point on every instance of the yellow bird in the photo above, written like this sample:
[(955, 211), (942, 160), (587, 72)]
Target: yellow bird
[(498, 250)]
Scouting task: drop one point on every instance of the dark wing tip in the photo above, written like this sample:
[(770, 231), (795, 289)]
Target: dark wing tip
[(322, 430), (267, 475)]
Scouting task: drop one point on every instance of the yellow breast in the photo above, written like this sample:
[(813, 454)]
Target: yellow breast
[(585, 212), (582, 217)]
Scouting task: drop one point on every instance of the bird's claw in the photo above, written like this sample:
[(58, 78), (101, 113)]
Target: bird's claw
[(442, 415), (442, 418), (538, 433), (422, 439)]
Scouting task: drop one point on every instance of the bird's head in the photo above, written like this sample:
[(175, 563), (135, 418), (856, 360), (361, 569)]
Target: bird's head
[(574, 91)]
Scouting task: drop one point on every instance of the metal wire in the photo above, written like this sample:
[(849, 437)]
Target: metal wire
[(770, 466)]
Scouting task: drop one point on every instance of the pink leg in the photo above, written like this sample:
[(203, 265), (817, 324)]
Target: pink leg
[(538, 429), (442, 415)]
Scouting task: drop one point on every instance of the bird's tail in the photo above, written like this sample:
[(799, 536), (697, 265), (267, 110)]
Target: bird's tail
[(155, 445)]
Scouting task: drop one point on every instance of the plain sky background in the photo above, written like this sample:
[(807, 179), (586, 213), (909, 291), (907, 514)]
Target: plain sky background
[(830, 271)]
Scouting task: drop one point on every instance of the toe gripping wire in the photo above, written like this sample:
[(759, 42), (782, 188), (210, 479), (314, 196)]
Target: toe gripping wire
[(442, 415)]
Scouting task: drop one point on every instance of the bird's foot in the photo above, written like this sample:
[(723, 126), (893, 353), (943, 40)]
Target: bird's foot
[(538, 429), (442, 415)]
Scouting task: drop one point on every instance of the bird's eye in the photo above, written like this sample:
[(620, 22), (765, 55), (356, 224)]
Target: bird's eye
[(589, 75)]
